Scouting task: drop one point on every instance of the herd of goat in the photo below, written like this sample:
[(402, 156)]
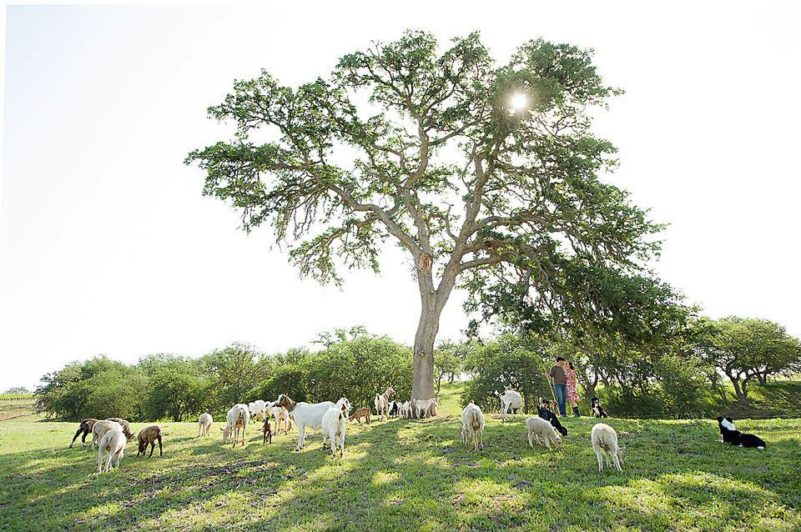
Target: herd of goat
[(111, 435)]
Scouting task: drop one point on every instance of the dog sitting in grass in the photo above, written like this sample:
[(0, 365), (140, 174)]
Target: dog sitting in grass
[(597, 409), (547, 414), (731, 435)]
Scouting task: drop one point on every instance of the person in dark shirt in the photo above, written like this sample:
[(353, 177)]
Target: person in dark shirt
[(559, 379)]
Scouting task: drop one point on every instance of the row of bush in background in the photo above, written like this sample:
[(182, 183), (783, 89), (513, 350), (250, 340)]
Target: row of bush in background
[(685, 377), (162, 386)]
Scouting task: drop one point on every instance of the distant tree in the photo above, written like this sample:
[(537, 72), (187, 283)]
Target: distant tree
[(449, 358), (747, 349), (289, 379), (340, 334), (177, 389), (485, 174), (359, 369), (98, 388), (234, 371), (18, 390)]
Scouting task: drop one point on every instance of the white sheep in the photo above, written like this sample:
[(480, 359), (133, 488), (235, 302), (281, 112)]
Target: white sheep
[(511, 401), (542, 432), (604, 443), (308, 414), (473, 426), (204, 424), (101, 427), (333, 424), (237, 420), (111, 448)]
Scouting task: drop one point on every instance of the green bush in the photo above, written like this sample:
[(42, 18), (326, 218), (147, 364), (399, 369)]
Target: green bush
[(507, 361)]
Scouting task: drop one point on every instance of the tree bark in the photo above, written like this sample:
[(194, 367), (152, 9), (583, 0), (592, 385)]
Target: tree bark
[(427, 328), (739, 390)]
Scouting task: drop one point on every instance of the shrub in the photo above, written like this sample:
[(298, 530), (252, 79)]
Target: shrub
[(506, 361)]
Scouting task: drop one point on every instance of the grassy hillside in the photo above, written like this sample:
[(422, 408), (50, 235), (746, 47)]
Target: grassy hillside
[(405, 474)]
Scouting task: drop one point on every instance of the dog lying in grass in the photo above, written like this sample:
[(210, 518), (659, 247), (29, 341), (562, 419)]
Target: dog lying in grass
[(548, 415), (731, 435)]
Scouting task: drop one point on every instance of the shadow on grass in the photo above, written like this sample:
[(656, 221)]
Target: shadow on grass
[(410, 474)]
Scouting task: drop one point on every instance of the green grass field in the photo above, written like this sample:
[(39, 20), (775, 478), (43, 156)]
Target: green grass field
[(404, 474)]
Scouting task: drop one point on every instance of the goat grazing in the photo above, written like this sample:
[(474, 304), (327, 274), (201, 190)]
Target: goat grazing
[(381, 402), (511, 401), (604, 443), (333, 424), (149, 436), (237, 420), (101, 427), (126, 427), (204, 424), (542, 432), (111, 448), (361, 413), (307, 414), (85, 428), (473, 426)]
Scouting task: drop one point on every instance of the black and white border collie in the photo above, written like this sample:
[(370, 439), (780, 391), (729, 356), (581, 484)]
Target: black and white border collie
[(730, 434), (597, 409), (546, 414)]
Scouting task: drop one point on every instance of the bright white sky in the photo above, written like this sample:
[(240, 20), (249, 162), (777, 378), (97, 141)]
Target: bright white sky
[(107, 246)]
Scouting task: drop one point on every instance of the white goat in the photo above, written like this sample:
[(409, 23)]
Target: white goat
[(282, 419), (404, 410), (381, 403), (473, 426), (307, 414), (236, 421), (333, 424), (511, 401), (258, 409), (422, 408), (111, 448), (604, 443), (204, 424), (541, 431), (101, 427)]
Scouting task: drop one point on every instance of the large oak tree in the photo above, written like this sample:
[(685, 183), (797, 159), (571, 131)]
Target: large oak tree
[(476, 169)]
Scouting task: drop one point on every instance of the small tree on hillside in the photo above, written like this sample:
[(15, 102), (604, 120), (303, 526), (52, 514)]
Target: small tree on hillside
[(748, 349), (473, 168)]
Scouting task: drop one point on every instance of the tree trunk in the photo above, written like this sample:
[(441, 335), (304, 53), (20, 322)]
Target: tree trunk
[(427, 328), (738, 390)]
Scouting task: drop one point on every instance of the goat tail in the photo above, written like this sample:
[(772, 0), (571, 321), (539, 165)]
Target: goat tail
[(475, 421)]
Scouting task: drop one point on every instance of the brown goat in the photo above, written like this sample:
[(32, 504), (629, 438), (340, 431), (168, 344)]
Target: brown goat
[(361, 413), (149, 436), (85, 428), (268, 433)]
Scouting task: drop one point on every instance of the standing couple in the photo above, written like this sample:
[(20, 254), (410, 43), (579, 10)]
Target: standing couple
[(564, 379)]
